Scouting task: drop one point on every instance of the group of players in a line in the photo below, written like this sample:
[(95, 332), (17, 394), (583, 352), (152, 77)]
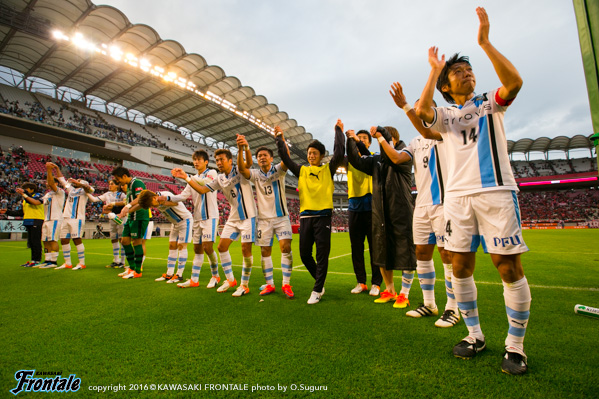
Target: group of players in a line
[(466, 197)]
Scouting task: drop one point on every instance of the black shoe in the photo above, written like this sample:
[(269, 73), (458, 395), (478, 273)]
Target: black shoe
[(118, 265), (468, 347), (513, 362), (113, 264)]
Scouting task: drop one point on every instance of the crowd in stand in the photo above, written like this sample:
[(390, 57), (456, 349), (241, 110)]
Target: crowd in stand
[(79, 122)]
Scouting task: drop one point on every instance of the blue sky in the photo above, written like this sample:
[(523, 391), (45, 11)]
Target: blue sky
[(328, 59)]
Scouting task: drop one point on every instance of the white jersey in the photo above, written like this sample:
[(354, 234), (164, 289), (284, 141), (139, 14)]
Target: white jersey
[(205, 206), (475, 145), (74, 207), (174, 214), (110, 196), (270, 192), (53, 204), (238, 191), (429, 171)]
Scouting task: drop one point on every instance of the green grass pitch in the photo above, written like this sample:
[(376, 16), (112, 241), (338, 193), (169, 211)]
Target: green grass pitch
[(109, 331)]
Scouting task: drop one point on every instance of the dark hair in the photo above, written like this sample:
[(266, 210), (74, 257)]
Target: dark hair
[(393, 132), (30, 185), (317, 145), (223, 151), (365, 132), (200, 154), (264, 148), (443, 77), (121, 171), (145, 199)]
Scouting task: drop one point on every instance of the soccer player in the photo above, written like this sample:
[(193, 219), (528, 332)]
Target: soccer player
[(480, 194), (428, 222), (392, 209), (273, 217), (242, 219), (115, 197), (205, 221), (315, 185), (359, 192), (73, 221), (53, 206), (136, 228), (33, 219), (181, 229)]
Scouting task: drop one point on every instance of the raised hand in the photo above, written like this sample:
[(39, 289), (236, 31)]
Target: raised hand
[(339, 124), (241, 141), (351, 135), (397, 95), (433, 59), (179, 173), (374, 133), (483, 29)]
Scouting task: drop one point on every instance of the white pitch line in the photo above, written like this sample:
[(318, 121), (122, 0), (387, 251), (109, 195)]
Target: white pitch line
[(554, 287)]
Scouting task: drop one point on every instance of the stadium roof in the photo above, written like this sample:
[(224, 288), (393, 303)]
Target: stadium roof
[(223, 109), (545, 144)]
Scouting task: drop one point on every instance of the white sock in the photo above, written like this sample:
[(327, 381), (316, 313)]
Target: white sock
[(267, 270), (213, 263), (170, 262), (246, 270), (407, 276), (182, 261), (466, 295), (287, 266), (196, 268), (451, 302), (426, 277), (115, 252), (81, 253), (225, 260), (66, 253), (517, 305)]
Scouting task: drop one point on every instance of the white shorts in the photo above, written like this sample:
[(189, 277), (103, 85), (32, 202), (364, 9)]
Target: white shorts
[(266, 227), (116, 230), (491, 218), (51, 230), (181, 232), (246, 228), (149, 231), (72, 228), (428, 225), (205, 230)]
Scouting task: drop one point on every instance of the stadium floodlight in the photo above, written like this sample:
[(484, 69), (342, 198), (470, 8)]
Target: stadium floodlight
[(545, 182), (131, 59)]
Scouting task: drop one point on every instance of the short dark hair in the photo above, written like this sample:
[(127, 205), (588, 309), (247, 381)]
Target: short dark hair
[(223, 151), (197, 154), (121, 171), (145, 199), (443, 79), (264, 148), (30, 185), (365, 132), (317, 145), (393, 132)]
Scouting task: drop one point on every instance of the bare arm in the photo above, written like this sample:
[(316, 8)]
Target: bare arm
[(506, 72), (243, 146), (424, 110), (50, 176), (400, 100), (180, 173), (27, 198)]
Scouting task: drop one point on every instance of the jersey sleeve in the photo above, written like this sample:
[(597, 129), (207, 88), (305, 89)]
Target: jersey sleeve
[(437, 123), (214, 185), (499, 102), (183, 195), (253, 175)]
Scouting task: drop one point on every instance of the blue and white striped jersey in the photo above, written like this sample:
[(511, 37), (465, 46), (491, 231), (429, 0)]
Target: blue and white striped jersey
[(53, 204), (238, 191), (205, 206), (174, 214), (475, 145), (429, 170), (74, 207), (270, 192)]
